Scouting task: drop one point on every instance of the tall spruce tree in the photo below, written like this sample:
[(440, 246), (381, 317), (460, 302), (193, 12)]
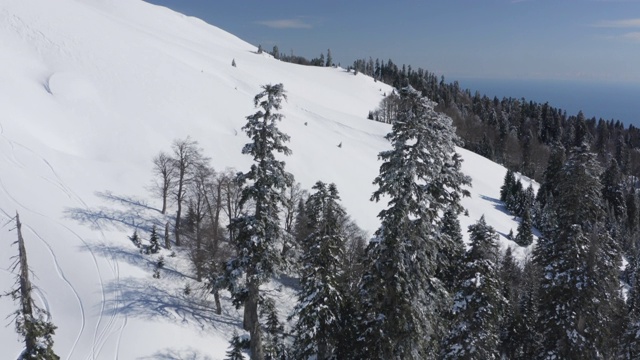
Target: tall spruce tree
[(274, 342), (579, 262), (258, 231), (529, 338), (612, 190), (401, 298), (478, 303), (507, 185), (525, 232), (321, 295), (154, 245), (630, 343), (551, 175), (632, 213), (510, 278), (235, 348), (451, 249)]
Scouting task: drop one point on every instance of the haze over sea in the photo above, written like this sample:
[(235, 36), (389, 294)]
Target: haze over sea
[(606, 100)]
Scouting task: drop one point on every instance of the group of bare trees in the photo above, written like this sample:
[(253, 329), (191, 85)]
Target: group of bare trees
[(204, 201)]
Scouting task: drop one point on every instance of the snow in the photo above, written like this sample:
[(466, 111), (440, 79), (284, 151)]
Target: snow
[(90, 91)]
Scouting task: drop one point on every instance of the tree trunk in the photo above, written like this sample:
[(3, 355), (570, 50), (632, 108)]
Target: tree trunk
[(165, 193), (322, 350), (246, 323), (177, 225), (285, 248), (25, 293), (216, 299), (167, 241), (199, 252), (251, 311)]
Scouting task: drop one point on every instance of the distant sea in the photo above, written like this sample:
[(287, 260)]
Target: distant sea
[(618, 101)]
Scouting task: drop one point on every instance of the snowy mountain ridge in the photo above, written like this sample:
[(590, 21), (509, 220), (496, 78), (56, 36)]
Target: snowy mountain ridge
[(90, 91)]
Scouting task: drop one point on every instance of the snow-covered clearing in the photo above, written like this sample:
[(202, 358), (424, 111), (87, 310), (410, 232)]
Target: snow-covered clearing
[(90, 91)]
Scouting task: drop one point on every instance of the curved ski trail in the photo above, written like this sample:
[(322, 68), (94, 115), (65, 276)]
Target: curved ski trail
[(104, 328)]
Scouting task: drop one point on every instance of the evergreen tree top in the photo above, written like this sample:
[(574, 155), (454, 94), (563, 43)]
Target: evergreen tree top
[(484, 241), (421, 173)]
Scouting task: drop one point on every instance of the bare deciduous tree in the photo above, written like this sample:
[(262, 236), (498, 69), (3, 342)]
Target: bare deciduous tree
[(164, 170), (186, 156)]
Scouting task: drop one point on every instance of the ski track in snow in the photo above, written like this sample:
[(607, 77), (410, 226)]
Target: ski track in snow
[(100, 336), (60, 273), (103, 329), (43, 299)]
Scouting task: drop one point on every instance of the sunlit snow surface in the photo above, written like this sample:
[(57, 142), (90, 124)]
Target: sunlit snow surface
[(90, 91)]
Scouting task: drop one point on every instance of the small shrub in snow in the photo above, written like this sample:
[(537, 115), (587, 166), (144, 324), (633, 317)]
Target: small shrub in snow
[(135, 239), (235, 348)]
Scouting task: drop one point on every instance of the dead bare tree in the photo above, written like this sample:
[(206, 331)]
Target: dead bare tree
[(30, 320)]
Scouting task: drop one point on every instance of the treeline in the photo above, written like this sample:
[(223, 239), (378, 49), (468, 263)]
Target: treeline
[(301, 60), (514, 132)]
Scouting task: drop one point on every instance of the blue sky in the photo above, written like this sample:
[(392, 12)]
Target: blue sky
[(596, 40)]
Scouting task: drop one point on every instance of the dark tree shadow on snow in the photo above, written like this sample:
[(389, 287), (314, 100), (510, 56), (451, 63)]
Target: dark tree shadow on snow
[(132, 255), (173, 354), (497, 204), (500, 206), (147, 299), (127, 212)]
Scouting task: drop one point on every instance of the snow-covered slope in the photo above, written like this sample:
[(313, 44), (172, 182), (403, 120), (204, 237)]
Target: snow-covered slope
[(90, 91)]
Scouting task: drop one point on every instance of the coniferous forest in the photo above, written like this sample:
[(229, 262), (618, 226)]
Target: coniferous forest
[(415, 290)]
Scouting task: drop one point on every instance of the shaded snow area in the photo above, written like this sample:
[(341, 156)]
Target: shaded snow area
[(90, 91)]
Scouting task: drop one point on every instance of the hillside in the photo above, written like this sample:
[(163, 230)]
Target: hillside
[(90, 91)]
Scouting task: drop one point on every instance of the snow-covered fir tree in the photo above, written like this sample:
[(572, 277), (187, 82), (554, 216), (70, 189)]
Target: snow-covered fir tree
[(525, 229), (510, 278), (274, 345), (320, 296), (630, 342), (154, 246), (551, 173), (135, 239), (529, 337), (579, 262), (451, 249), (545, 216), (235, 348), (612, 190), (401, 299), (507, 185), (632, 213), (478, 302), (258, 230)]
